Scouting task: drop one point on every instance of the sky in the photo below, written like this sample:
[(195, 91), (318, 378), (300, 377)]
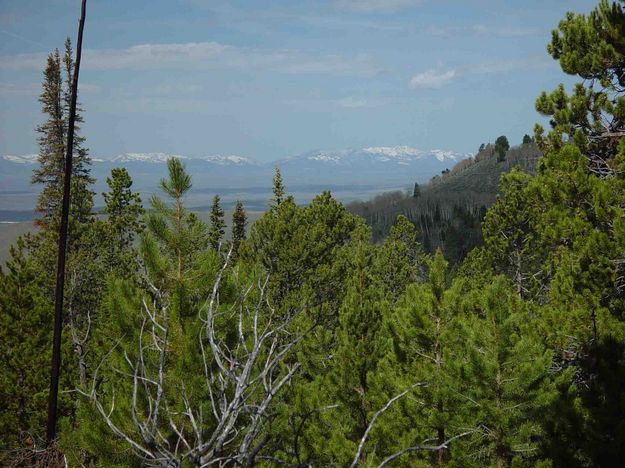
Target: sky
[(273, 79)]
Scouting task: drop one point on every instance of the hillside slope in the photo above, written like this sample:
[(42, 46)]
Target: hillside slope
[(449, 209)]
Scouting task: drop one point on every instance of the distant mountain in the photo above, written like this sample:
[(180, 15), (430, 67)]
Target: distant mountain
[(21, 159), (448, 210), (353, 172), (231, 160), (384, 164), (155, 158), (379, 155), (160, 158)]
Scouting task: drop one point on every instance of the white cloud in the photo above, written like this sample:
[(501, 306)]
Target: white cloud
[(204, 55), (432, 78), (435, 78), (370, 6)]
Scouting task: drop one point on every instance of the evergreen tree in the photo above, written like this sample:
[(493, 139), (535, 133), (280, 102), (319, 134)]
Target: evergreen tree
[(217, 224), (85, 277), (510, 244), (416, 192), (25, 337), (124, 211), (277, 189), (400, 260), (527, 139), (501, 147), (174, 282), (54, 99), (357, 380), (174, 243), (504, 377), (592, 117), (239, 225), (424, 343)]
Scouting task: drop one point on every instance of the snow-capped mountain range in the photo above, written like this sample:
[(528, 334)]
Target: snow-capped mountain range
[(159, 158), (403, 155), (374, 169)]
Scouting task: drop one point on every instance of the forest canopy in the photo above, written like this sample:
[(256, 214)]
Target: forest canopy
[(299, 341)]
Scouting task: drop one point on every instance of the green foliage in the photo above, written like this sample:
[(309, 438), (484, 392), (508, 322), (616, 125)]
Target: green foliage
[(506, 375), (294, 352), (277, 189), (501, 147), (179, 273), (239, 227), (423, 341), (448, 212), (174, 245), (54, 100), (124, 212), (400, 260), (24, 352), (217, 224), (356, 379), (593, 116)]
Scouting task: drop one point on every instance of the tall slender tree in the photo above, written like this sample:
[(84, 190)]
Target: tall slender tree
[(239, 224), (124, 211), (278, 188), (55, 101), (218, 225), (63, 233)]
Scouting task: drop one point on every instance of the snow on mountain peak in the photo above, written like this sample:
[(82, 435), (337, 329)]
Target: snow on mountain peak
[(326, 156), (21, 159), (146, 157), (442, 155), (227, 160), (393, 151)]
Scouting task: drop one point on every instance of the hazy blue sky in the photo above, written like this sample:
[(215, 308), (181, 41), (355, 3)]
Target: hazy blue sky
[(270, 79)]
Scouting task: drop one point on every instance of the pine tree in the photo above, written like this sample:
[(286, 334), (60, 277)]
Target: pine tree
[(83, 269), (239, 224), (175, 280), (503, 375), (124, 211), (424, 345), (416, 192), (511, 245), (592, 116), (217, 224), (278, 189), (501, 147), (25, 336), (400, 260), (359, 380), (55, 99)]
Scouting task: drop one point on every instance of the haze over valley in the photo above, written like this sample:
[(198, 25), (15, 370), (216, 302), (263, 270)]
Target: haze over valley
[(351, 174)]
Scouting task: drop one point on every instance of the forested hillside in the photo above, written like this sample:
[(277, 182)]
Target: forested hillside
[(299, 341), (448, 211)]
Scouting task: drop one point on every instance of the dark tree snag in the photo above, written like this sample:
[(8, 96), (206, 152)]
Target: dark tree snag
[(60, 272)]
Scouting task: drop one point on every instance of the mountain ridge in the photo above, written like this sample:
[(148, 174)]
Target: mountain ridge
[(399, 153)]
